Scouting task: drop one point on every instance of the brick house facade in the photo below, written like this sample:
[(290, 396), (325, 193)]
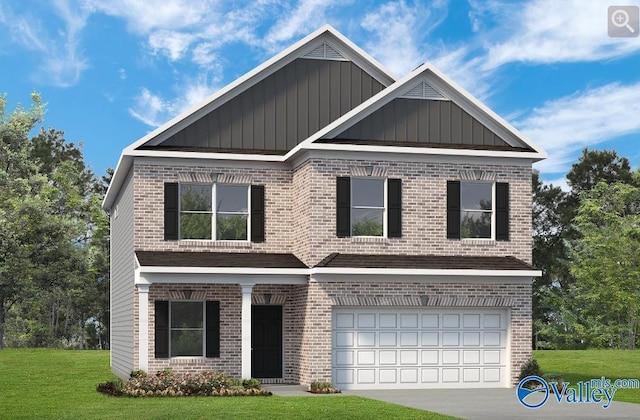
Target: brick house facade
[(294, 297)]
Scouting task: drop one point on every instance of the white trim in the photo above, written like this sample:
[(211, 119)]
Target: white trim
[(430, 278), (218, 278), (143, 327), (224, 270), (423, 272), (246, 329)]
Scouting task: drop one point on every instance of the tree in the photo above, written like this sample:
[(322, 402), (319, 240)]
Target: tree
[(606, 263), (556, 319), (53, 235)]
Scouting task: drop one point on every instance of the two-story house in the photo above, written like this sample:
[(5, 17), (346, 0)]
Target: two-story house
[(318, 219)]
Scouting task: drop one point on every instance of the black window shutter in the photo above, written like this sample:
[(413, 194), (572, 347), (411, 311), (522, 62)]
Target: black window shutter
[(343, 207), (257, 213), (394, 208), (453, 209), (161, 329), (502, 211), (213, 329), (171, 211)]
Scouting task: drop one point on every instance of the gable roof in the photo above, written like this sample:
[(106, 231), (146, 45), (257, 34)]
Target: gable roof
[(434, 86), (326, 42), (481, 133)]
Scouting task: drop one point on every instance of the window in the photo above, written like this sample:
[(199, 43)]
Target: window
[(367, 206), (232, 212), (186, 328), (476, 209), (231, 221)]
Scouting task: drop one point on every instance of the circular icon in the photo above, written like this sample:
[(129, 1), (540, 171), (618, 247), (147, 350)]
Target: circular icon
[(620, 19), (535, 394)]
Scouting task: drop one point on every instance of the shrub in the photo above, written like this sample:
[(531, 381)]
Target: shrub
[(113, 388), (138, 374), (251, 383), (322, 387), (167, 383), (530, 368)]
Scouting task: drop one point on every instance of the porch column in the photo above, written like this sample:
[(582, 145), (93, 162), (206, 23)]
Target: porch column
[(143, 327), (246, 329)]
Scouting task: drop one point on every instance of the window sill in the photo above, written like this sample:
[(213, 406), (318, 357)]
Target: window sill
[(478, 242), (369, 239), (214, 244)]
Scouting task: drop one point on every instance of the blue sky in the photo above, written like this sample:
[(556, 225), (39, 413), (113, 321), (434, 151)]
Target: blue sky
[(113, 70)]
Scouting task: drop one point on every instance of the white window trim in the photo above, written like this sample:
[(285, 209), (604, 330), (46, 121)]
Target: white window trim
[(493, 211), (214, 213), (384, 207), (204, 328)]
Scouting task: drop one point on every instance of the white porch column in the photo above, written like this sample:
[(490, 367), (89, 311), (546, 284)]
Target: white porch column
[(143, 327), (246, 329)]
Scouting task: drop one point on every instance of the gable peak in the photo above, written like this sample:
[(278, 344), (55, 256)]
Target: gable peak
[(325, 51), (424, 90)]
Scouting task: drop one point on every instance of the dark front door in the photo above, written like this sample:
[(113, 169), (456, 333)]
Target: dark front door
[(266, 341)]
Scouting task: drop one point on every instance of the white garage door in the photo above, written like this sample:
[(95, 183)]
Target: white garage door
[(377, 348)]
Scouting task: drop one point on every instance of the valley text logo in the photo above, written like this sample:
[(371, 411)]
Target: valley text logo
[(534, 391)]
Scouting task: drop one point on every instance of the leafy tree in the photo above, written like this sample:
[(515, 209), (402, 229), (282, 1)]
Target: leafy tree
[(367, 227), (606, 263), (556, 318), (52, 234)]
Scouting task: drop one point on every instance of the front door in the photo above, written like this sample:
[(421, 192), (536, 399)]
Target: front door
[(266, 341)]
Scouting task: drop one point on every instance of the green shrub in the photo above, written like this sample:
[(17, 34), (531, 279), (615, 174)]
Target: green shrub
[(138, 374), (113, 388), (167, 383), (251, 383), (530, 368), (322, 387)]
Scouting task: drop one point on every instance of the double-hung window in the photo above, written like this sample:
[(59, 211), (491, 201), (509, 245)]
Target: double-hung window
[(478, 210), (187, 328), (230, 221), (368, 207)]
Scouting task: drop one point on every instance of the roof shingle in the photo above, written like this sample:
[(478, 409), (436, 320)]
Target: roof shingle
[(217, 259)]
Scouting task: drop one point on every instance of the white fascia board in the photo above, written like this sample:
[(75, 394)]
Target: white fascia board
[(225, 270), (383, 155), (431, 279), (206, 156), (532, 156), (119, 176), (423, 272), (208, 278), (211, 163)]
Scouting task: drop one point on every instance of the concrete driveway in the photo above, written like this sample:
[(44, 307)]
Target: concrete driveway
[(497, 404)]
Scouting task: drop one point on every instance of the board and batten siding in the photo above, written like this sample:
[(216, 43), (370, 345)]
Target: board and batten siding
[(282, 110), (422, 121), (122, 281)]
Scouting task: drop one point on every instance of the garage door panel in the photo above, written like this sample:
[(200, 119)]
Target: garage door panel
[(389, 348)]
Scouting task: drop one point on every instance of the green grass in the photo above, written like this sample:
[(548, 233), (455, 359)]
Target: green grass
[(60, 384), (582, 365)]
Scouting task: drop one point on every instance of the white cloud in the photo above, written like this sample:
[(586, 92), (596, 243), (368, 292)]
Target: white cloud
[(173, 44), (306, 16), (465, 70), (565, 126), (549, 31), (62, 61), (143, 16), (399, 31), (154, 110)]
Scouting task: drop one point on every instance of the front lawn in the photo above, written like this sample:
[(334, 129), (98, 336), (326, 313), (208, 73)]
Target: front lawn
[(44, 383), (583, 365)]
